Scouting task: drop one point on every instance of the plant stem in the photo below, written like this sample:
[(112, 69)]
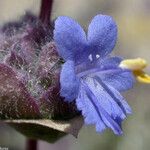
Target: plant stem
[(31, 144), (46, 9)]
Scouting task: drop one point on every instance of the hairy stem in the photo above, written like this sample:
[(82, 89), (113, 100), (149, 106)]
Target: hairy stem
[(46, 9)]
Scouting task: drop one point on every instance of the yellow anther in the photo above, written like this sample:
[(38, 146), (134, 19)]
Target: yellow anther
[(136, 65), (133, 64), (142, 77)]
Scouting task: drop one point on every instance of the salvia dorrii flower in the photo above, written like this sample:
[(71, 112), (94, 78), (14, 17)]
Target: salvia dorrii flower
[(90, 76), (63, 76)]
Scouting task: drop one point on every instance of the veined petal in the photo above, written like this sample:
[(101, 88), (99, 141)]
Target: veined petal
[(70, 38), (99, 64), (102, 35), (99, 107), (121, 80), (69, 82), (110, 73), (107, 69), (89, 111), (116, 96), (108, 62)]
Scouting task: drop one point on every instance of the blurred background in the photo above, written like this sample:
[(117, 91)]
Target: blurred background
[(133, 19)]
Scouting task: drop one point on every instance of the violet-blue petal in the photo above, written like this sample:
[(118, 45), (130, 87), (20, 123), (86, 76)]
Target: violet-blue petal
[(121, 80), (69, 82), (91, 114), (70, 38), (98, 107), (108, 62), (116, 96), (102, 35)]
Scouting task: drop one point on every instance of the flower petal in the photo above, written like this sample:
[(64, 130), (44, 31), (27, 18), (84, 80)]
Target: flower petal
[(107, 69), (99, 67), (15, 101), (100, 64), (69, 82), (102, 35), (89, 111), (116, 96), (69, 37), (99, 107), (108, 62), (121, 80)]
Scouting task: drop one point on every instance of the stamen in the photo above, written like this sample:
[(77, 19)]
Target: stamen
[(137, 65), (142, 77), (133, 64)]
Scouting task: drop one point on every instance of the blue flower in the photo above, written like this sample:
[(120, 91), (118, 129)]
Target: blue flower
[(90, 76)]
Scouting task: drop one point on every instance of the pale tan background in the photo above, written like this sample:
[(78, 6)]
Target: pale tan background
[(133, 19)]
